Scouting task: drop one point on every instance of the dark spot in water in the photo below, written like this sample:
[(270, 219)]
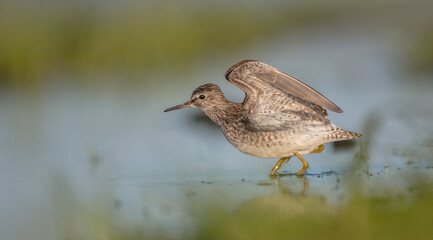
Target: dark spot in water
[(328, 173), (344, 145), (264, 184), (118, 204), (190, 193)]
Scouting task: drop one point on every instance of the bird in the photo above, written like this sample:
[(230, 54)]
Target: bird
[(280, 116)]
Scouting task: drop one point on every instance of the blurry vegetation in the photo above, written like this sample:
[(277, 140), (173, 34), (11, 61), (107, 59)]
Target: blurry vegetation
[(75, 38), (38, 39), (370, 129), (386, 217), (421, 52), (282, 215)]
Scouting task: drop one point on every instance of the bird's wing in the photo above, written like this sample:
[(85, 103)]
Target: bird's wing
[(249, 74), (275, 100)]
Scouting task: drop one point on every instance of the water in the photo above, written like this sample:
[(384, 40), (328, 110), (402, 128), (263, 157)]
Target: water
[(67, 153)]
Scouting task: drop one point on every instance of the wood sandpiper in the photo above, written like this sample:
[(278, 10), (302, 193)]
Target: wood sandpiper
[(279, 117)]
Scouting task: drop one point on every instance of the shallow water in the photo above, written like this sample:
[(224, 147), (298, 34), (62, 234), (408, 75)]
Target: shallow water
[(65, 150)]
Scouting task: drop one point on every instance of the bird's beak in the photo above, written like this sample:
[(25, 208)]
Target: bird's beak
[(183, 105)]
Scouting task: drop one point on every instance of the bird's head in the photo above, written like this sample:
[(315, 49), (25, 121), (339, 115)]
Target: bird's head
[(204, 98)]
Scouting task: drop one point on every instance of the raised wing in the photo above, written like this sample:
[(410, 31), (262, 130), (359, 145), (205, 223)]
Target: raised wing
[(249, 73), (276, 101)]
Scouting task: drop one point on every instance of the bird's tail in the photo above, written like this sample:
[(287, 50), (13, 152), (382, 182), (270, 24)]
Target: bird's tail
[(339, 135)]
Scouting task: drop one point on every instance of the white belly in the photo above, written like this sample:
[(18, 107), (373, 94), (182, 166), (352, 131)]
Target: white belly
[(275, 144)]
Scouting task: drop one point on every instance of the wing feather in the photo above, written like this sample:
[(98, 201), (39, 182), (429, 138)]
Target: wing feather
[(276, 101), (241, 74)]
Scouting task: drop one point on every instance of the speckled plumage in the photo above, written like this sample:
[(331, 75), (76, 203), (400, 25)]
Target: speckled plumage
[(279, 117)]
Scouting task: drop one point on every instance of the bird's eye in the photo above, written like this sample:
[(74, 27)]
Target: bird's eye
[(201, 96)]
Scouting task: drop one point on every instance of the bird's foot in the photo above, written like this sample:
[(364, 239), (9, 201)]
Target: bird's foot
[(278, 166), (305, 163)]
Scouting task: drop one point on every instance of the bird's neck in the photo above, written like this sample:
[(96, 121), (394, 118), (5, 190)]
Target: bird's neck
[(222, 113)]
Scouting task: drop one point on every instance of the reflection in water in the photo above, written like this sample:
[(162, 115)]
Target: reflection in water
[(344, 145), (285, 189)]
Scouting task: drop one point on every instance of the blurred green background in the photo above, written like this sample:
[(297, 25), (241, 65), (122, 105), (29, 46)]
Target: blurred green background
[(87, 153)]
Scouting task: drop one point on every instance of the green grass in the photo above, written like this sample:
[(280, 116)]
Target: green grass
[(391, 217)]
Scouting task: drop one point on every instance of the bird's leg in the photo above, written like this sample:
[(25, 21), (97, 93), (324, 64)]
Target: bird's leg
[(319, 149), (306, 165), (278, 165)]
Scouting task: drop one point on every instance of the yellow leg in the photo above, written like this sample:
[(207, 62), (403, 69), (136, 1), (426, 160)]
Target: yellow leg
[(278, 165), (319, 149), (306, 164), (284, 160)]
